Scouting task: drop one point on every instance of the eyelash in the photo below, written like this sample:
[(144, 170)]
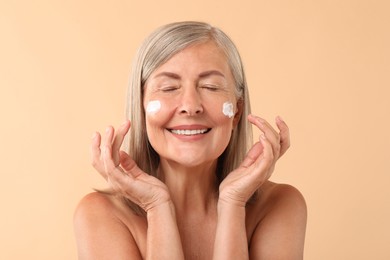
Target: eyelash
[(210, 87), (169, 89)]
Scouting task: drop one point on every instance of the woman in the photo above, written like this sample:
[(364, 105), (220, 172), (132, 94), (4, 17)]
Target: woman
[(191, 184)]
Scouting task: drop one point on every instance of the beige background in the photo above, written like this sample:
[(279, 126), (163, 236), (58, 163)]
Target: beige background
[(323, 65)]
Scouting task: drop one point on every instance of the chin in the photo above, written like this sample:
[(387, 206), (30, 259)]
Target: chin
[(191, 161)]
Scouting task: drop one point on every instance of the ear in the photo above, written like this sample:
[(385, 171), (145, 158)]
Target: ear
[(239, 110)]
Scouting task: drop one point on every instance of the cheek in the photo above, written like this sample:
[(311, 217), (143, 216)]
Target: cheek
[(157, 114), (222, 113), (153, 107), (228, 109), (223, 109)]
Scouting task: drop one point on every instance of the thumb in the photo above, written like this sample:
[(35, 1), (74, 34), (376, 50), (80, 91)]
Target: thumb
[(252, 155), (128, 164)]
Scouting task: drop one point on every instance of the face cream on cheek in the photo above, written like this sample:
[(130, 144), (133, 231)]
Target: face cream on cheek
[(153, 107), (227, 109)]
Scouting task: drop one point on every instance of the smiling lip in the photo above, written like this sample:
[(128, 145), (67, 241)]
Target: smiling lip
[(189, 130)]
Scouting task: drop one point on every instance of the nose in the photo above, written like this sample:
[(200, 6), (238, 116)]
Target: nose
[(191, 102)]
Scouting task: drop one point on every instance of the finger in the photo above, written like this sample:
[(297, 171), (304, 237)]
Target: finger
[(260, 168), (284, 135), (129, 165), (126, 161), (107, 140), (109, 164), (119, 181), (270, 133), (113, 172), (118, 140), (125, 183), (95, 150), (265, 161), (252, 155), (262, 124)]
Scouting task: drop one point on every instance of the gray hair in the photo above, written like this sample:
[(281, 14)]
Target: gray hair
[(157, 49)]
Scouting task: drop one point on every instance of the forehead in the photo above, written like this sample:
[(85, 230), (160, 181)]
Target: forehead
[(197, 58)]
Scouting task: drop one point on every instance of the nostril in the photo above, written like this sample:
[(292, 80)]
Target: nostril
[(191, 109)]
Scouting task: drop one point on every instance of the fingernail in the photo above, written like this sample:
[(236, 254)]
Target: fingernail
[(279, 118), (262, 136)]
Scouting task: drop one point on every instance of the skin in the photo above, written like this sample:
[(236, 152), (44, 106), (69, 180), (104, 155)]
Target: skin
[(187, 218)]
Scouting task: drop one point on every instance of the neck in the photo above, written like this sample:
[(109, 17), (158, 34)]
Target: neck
[(191, 188)]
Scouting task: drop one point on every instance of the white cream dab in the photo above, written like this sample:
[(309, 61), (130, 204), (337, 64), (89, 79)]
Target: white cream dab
[(153, 107), (227, 109)]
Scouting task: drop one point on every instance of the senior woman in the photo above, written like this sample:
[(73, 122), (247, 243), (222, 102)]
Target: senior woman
[(189, 182)]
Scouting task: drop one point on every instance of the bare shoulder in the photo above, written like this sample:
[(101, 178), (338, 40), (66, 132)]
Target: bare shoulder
[(93, 203), (280, 224), (277, 197), (103, 226), (99, 208), (284, 196), (96, 207)]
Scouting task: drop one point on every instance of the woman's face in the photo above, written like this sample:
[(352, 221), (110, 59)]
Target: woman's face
[(190, 106)]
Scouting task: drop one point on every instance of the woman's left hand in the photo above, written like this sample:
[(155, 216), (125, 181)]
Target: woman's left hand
[(258, 164)]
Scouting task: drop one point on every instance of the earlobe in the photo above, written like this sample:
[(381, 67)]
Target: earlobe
[(239, 109)]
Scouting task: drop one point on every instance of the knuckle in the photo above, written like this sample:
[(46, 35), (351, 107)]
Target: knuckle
[(94, 163), (110, 169), (270, 158), (285, 144), (107, 150)]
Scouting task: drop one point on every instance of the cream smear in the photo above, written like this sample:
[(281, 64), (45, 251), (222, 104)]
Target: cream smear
[(153, 107), (227, 109)]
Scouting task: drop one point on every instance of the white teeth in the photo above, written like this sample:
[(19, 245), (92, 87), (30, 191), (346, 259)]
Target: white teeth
[(189, 132)]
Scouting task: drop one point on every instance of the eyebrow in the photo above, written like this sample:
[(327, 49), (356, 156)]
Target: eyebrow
[(210, 73), (201, 75), (168, 74)]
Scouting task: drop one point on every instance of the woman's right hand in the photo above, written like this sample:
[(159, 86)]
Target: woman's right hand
[(122, 173)]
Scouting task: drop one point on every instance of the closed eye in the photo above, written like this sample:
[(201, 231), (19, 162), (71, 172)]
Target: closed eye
[(210, 87), (169, 88)]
